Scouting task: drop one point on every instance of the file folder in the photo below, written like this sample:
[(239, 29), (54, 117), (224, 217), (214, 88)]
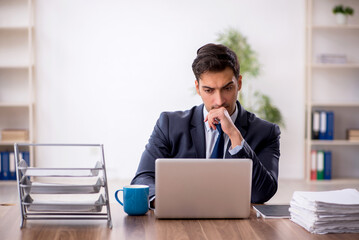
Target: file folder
[(26, 157), (313, 168), (328, 165), (323, 126), (12, 170), (320, 165), (315, 125), (5, 165), (330, 126)]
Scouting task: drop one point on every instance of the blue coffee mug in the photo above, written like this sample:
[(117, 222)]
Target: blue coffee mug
[(135, 199)]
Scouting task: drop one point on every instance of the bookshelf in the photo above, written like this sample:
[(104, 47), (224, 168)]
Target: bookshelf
[(335, 27), (335, 66), (334, 143), (16, 69), (333, 87)]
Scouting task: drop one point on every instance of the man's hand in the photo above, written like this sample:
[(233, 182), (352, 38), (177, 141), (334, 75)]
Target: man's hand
[(221, 115)]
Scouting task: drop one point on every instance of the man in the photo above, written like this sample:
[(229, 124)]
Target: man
[(194, 133)]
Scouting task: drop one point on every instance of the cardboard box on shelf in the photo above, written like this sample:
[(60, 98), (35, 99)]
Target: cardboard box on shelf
[(10, 135)]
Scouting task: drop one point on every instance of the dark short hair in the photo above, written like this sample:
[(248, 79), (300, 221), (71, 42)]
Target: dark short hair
[(215, 58)]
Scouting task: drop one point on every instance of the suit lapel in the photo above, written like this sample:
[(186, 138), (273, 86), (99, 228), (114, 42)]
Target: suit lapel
[(241, 121), (197, 132)]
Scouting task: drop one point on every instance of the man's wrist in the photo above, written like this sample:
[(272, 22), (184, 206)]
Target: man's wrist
[(236, 138), (236, 149)]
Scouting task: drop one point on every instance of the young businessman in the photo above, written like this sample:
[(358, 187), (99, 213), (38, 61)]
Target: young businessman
[(194, 133)]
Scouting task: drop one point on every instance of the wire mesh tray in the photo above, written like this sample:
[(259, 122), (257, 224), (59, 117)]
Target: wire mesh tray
[(43, 206), (59, 172), (58, 188)]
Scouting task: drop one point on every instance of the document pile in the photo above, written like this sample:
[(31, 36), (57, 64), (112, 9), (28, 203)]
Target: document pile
[(326, 212)]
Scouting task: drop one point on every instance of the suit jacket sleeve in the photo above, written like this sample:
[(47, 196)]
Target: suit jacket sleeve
[(265, 166), (158, 147)]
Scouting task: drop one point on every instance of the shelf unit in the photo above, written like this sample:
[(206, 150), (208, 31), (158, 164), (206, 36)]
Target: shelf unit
[(334, 143), (333, 87), (16, 69)]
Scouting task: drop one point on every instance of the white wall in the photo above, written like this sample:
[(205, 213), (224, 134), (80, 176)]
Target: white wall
[(106, 69)]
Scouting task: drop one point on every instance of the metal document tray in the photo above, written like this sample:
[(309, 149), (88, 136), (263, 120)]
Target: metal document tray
[(59, 172), (40, 188), (44, 206), (59, 188)]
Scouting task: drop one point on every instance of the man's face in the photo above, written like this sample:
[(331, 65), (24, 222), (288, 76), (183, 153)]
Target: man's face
[(219, 89)]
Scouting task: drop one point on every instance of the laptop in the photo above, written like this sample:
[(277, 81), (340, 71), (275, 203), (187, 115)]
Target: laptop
[(203, 188)]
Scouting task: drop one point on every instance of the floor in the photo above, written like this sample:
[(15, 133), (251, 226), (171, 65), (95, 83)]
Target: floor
[(9, 195)]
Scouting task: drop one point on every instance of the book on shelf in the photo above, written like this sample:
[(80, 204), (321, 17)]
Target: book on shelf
[(5, 168), (329, 134), (327, 165), (7, 164), (353, 134), (313, 164), (12, 135), (321, 165), (332, 58), (26, 156), (12, 169), (354, 139), (315, 124), (323, 125)]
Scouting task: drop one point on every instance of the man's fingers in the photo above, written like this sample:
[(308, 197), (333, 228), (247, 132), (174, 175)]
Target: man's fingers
[(214, 117), (211, 125), (209, 121)]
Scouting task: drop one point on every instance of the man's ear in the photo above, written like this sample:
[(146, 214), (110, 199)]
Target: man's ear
[(239, 82), (197, 86)]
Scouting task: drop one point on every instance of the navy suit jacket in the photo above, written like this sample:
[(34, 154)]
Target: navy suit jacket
[(181, 135)]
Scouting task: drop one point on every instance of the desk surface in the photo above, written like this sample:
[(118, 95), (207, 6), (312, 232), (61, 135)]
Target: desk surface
[(148, 227)]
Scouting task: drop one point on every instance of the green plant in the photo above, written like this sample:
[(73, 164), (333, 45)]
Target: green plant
[(266, 110), (258, 103), (246, 56), (343, 10)]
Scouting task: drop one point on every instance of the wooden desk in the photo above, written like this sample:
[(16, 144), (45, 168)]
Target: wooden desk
[(148, 227)]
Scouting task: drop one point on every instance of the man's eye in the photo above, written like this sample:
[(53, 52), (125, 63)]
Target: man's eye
[(208, 90)]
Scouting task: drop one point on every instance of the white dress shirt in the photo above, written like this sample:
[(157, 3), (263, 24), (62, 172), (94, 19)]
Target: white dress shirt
[(211, 136)]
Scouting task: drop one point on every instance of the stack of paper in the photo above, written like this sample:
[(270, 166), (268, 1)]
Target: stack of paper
[(326, 212)]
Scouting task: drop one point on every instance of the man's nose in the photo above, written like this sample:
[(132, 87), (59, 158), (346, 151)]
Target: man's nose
[(219, 99)]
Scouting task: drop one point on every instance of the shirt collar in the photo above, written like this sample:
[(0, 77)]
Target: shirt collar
[(205, 112)]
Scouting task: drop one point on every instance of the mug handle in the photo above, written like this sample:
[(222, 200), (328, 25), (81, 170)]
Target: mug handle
[(118, 200)]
